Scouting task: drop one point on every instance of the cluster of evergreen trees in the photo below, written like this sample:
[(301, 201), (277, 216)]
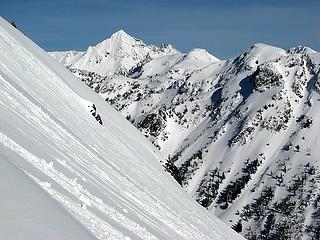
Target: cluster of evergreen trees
[(284, 218)]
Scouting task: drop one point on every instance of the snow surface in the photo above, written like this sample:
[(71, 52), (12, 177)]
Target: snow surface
[(107, 177), (27, 212)]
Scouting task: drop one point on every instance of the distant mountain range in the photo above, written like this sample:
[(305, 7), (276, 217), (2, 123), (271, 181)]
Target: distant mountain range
[(243, 132)]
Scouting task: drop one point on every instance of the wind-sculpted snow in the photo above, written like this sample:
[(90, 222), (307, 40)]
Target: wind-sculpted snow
[(102, 178), (243, 132)]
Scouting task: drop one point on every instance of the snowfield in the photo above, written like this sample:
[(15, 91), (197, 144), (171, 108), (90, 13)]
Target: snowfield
[(71, 167)]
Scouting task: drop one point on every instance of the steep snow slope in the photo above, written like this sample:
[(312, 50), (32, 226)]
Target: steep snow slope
[(28, 213), (97, 167), (243, 132)]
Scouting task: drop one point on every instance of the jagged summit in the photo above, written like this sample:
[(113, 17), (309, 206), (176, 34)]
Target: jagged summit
[(119, 54), (117, 40)]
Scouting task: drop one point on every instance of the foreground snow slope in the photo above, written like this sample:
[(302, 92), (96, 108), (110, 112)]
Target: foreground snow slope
[(27, 212), (95, 165)]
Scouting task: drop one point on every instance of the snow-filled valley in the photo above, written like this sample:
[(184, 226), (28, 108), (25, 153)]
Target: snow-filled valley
[(243, 132), (71, 167)]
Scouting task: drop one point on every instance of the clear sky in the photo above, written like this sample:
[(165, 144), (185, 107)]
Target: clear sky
[(225, 28)]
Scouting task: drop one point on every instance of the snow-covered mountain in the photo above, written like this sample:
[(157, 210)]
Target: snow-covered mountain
[(243, 132), (71, 167), (119, 54)]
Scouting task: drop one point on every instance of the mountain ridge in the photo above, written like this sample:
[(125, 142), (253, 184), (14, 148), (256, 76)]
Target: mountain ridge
[(118, 54), (242, 132)]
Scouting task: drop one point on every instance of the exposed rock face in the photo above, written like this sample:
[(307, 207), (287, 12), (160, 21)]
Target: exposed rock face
[(266, 77)]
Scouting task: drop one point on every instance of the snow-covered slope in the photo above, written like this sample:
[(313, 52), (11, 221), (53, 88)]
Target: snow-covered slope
[(27, 212), (201, 55), (243, 132), (74, 163)]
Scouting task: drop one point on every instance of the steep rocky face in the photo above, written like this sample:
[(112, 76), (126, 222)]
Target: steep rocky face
[(242, 132)]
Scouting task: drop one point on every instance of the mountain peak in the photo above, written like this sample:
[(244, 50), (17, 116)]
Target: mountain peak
[(202, 55), (120, 37), (118, 54), (121, 33), (259, 53), (261, 47)]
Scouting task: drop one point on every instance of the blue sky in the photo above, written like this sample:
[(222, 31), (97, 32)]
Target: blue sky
[(224, 28)]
